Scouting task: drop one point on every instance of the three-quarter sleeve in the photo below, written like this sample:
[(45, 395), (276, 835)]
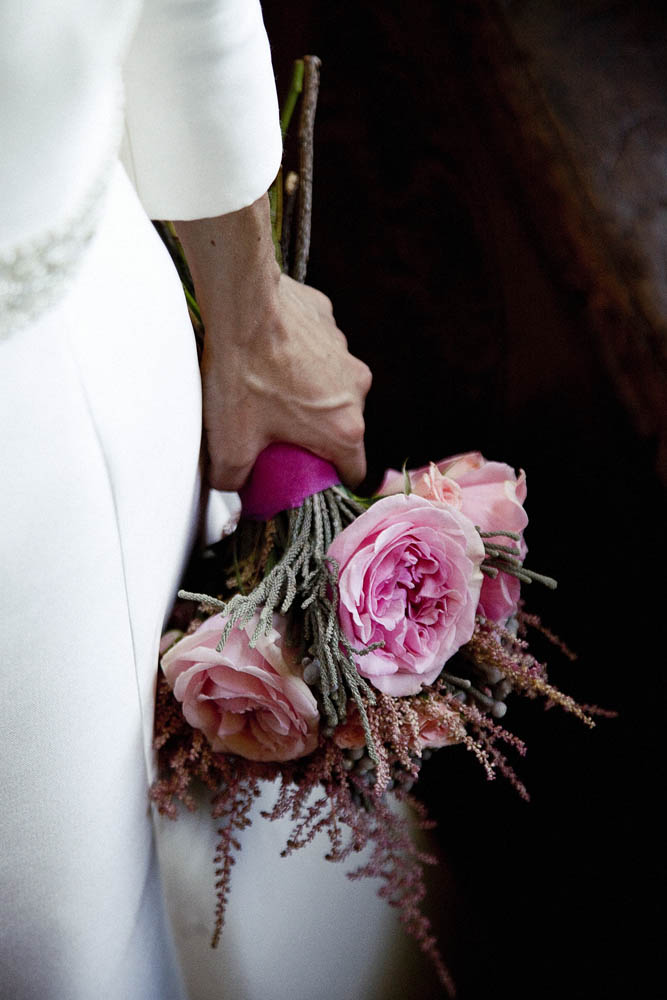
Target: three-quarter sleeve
[(202, 134)]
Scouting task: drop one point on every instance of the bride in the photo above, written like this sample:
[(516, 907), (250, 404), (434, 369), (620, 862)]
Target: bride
[(115, 112)]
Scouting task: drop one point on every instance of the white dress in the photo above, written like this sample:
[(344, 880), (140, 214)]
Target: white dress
[(100, 424)]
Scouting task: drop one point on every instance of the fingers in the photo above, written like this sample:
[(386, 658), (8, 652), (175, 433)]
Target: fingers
[(223, 476), (231, 458), (350, 461), (341, 441), (299, 385), (351, 464)]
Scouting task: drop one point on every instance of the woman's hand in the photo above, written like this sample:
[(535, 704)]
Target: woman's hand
[(275, 365), (293, 380)]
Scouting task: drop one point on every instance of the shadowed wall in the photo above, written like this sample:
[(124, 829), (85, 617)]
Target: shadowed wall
[(442, 238)]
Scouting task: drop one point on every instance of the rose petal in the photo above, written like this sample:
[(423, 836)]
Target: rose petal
[(248, 701), (409, 577)]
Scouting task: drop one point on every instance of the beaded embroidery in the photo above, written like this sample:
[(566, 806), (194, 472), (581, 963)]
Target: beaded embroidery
[(34, 274)]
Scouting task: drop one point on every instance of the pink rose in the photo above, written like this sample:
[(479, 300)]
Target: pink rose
[(168, 639), (409, 576), (438, 729), (427, 482), (491, 495), (350, 734), (251, 702)]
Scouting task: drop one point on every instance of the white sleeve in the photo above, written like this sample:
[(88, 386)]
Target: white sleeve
[(202, 134)]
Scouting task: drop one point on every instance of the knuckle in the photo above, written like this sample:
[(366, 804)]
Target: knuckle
[(365, 377), (324, 301), (230, 473), (352, 431)]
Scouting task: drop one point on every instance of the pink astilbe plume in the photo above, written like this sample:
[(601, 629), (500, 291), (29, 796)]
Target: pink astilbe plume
[(494, 646), (396, 859), (527, 620), (482, 738), (319, 795), (232, 804)]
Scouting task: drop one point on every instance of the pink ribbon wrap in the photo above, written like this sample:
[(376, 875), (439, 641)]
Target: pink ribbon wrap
[(281, 479)]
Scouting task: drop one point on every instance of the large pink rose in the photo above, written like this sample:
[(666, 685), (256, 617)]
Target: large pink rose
[(491, 495), (409, 576), (251, 702)]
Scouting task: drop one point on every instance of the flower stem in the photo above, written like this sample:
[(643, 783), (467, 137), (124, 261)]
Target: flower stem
[(295, 88), (311, 84)]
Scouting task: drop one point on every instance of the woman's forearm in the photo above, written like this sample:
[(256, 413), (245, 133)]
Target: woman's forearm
[(234, 269), (275, 365)]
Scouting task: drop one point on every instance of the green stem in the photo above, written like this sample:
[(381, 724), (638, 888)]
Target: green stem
[(311, 83), (192, 302), (276, 209), (295, 88), (276, 189)]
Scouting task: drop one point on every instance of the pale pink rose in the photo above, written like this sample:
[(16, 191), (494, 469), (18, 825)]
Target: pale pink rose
[(168, 639), (350, 734), (250, 702), (491, 495), (441, 730), (409, 575), (427, 482)]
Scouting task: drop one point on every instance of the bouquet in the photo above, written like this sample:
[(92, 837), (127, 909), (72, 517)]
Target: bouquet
[(332, 642), (344, 639)]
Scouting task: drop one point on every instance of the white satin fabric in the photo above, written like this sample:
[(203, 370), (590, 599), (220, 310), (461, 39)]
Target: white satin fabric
[(188, 86), (296, 928), (100, 424), (201, 117)]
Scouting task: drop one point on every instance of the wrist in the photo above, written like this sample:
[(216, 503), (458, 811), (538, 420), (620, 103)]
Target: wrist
[(235, 273)]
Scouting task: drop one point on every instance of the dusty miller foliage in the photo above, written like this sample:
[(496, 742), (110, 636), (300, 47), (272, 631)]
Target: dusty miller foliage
[(287, 569)]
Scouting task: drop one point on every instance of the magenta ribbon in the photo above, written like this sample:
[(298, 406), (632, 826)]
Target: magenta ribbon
[(282, 477)]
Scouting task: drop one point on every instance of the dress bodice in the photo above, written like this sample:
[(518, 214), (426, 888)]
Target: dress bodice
[(185, 91)]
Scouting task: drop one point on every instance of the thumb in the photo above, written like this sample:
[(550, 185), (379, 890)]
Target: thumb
[(229, 468)]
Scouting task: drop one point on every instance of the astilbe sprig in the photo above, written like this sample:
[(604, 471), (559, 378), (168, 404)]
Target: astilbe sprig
[(497, 647), (394, 857), (527, 620), (397, 860), (184, 756), (319, 795), (482, 737), (394, 723), (231, 804)]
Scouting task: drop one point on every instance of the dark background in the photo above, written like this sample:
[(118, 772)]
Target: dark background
[(438, 280)]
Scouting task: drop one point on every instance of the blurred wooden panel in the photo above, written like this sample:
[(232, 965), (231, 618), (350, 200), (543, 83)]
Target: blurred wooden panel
[(577, 96)]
